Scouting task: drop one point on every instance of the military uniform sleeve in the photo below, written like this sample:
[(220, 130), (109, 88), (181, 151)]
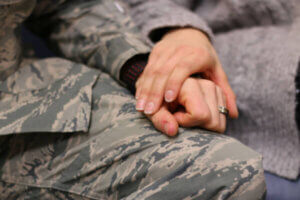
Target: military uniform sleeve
[(97, 33), (156, 17)]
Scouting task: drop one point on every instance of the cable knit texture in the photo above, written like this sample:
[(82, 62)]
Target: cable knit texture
[(259, 46), (154, 15)]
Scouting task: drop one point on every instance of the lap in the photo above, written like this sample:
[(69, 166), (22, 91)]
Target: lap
[(123, 156)]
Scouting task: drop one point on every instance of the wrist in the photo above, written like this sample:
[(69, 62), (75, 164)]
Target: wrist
[(186, 32), (132, 70)]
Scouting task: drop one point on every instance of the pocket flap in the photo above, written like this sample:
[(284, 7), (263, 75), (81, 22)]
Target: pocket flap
[(64, 105)]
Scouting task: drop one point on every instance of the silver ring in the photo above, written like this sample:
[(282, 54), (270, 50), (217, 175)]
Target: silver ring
[(223, 110)]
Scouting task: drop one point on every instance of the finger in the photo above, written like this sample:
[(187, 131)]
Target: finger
[(196, 112), (153, 57), (137, 93), (211, 98), (221, 102), (191, 62), (138, 87), (143, 93), (145, 84), (155, 97), (164, 121), (220, 78), (156, 93)]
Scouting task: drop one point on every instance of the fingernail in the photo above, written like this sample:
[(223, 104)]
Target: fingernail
[(169, 96), (149, 108), (140, 105)]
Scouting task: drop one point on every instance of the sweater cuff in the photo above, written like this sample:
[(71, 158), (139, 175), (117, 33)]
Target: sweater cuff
[(166, 15), (132, 70)]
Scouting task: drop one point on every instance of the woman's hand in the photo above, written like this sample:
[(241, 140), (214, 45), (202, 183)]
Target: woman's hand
[(181, 53), (196, 106)]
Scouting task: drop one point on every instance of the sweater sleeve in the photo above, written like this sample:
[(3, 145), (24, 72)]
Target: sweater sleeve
[(155, 17)]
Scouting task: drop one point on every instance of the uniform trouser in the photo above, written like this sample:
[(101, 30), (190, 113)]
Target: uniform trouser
[(123, 157)]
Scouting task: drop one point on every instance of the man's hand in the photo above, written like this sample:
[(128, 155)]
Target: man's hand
[(181, 53), (196, 106)]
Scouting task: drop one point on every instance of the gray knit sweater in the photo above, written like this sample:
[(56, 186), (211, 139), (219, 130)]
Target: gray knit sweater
[(258, 42)]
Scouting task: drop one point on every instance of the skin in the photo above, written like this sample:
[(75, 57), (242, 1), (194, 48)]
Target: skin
[(196, 106), (178, 55)]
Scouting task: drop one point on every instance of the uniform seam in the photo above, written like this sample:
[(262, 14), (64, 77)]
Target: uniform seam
[(30, 184)]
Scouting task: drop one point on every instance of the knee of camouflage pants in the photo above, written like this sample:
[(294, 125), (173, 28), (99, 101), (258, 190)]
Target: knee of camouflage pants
[(203, 166), (191, 166)]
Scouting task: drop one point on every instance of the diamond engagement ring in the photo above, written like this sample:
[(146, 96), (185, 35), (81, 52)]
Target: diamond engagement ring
[(223, 110)]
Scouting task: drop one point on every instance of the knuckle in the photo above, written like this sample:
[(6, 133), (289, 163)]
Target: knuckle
[(154, 96), (191, 49), (157, 49), (184, 48), (167, 68), (195, 58), (150, 73), (153, 73), (199, 52), (161, 72), (156, 121), (158, 73), (190, 80), (209, 84), (173, 81), (203, 52), (202, 117), (215, 125), (183, 69), (144, 93)]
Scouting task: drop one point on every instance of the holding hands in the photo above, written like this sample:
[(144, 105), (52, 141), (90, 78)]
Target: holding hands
[(165, 84), (197, 105)]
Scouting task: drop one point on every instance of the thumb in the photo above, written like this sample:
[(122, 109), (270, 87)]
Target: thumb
[(164, 121)]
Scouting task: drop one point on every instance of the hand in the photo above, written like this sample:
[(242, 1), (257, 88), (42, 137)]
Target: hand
[(178, 55), (196, 106)]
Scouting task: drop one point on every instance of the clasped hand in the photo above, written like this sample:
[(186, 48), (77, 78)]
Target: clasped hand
[(168, 95)]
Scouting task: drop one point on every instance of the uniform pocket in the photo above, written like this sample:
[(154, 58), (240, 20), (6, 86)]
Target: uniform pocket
[(48, 101)]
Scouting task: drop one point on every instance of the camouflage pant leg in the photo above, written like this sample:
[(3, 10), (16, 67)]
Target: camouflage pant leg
[(124, 157), (26, 192)]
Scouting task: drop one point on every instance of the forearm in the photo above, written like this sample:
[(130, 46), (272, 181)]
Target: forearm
[(97, 33)]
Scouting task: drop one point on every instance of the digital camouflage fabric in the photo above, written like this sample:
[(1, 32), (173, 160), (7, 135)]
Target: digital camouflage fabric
[(69, 130)]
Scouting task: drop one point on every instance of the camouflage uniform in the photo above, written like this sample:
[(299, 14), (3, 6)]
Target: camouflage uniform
[(69, 131)]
